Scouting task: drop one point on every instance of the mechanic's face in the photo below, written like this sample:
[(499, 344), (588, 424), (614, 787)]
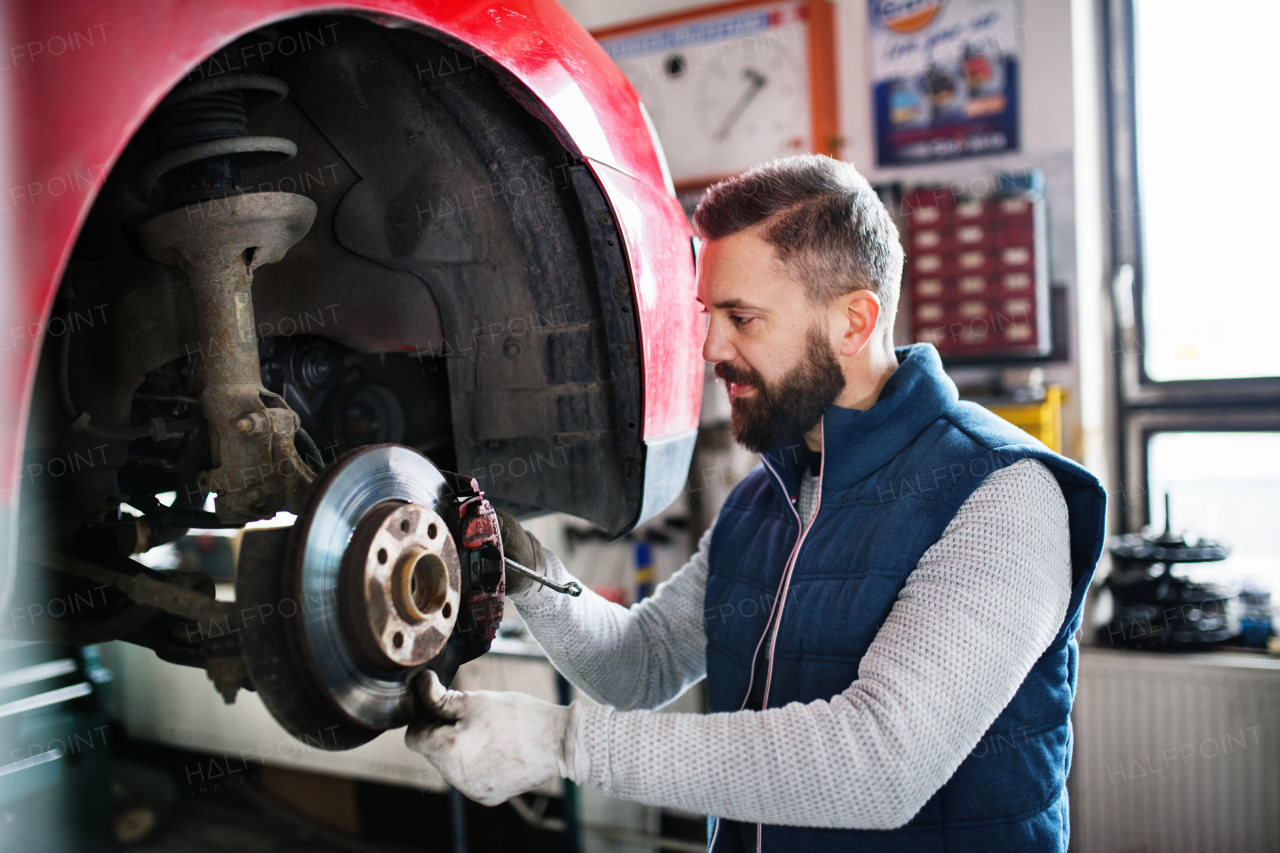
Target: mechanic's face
[(767, 342)]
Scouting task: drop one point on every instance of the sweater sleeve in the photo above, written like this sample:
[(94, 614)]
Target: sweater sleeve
[(641, 656), (979, 609)]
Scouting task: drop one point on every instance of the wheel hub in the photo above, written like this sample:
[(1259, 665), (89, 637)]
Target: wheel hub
[(399, 586)]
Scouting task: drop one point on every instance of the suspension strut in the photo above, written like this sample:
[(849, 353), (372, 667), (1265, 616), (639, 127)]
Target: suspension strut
[(204, 137), (218, 235)]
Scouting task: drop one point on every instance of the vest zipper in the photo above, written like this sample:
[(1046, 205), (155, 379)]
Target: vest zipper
[(777, 598), (784, 584)]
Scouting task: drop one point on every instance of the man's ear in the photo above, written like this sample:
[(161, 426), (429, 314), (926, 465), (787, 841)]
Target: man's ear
[(860, 320)]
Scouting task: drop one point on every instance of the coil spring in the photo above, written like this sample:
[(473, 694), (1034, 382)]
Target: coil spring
[(204, 137)]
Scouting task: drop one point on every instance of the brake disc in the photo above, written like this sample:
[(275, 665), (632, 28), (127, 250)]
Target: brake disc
[(366, 594)]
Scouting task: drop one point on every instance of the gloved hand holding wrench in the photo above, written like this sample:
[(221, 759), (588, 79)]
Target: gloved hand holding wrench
[(523, 557), (488, 744)]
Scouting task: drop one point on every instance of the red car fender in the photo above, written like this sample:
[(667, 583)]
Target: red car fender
[(79, 78), (659, 245)]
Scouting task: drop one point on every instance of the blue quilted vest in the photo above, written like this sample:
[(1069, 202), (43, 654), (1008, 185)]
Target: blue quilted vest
[(893, 477)]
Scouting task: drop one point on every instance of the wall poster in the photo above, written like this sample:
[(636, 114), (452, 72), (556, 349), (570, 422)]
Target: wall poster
[(945, 74), (733, 85)]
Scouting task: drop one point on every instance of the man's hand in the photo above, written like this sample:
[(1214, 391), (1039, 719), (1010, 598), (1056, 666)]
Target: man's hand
[(491, 745), (521, 546)]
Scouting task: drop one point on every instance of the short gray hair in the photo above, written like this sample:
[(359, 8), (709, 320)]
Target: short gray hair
[(829, 228)]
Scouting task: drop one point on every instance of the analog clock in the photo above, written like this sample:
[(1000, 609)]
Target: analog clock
[(731, 86)]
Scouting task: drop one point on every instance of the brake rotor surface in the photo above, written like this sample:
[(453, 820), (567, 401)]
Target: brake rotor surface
[(375, 578)]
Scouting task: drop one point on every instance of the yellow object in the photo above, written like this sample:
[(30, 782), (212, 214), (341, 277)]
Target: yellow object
[(1043, 420)]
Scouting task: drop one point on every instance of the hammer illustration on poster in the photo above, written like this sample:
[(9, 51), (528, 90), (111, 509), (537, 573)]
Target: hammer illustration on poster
[(945, 77)]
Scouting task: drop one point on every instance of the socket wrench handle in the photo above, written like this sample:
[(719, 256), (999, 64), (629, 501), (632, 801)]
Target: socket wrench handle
[(571, 588)]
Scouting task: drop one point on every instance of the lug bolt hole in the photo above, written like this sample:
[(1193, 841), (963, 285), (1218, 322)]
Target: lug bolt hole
[(404, 526), (431, 532), (398, 640), (382, 555), (448, 609)]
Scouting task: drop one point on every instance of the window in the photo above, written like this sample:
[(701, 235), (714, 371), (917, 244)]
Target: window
[(1205, 129), (1196, 291), (1227, 485)]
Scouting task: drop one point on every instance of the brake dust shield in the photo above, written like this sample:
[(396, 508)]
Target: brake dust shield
[(366, 595)]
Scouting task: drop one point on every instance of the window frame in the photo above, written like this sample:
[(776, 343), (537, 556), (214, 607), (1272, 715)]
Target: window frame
[(1145, 406), (1148, 422)]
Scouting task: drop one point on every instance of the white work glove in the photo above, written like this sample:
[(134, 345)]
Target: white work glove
[(492, 745)]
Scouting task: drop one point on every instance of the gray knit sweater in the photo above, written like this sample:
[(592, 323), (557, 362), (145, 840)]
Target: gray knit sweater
[(980, 607)]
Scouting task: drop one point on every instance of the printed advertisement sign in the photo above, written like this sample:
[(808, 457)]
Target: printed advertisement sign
[(945, 74)]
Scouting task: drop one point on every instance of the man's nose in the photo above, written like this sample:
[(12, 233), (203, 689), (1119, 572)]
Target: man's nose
[(715, 348)]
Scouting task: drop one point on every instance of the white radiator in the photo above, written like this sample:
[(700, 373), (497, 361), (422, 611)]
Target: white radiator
[(1176, 753)]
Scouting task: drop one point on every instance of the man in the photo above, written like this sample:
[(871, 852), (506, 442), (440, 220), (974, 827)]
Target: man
[(884, 610)]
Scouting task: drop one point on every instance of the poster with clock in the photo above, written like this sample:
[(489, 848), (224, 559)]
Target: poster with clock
[(733, 85)]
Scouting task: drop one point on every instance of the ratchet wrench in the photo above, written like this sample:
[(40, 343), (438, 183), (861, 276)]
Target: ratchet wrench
[(571, 588)]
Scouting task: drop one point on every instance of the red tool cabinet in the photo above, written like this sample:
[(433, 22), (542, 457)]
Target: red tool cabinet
[(977, 273)]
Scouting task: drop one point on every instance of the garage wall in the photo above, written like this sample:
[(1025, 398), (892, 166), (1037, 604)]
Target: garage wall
[(1048, 126), (1048, 143)]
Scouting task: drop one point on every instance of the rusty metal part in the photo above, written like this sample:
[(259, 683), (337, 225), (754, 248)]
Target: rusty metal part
[(228, 674), (188, 595), (344, 504), (116, 623), (400, 585), (169, 597), (219, 243)]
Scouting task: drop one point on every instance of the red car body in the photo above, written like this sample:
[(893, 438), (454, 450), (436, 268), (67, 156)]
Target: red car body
[(80, 77)]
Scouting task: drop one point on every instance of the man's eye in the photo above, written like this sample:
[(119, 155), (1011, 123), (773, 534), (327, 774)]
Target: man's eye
[(740, 321)]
